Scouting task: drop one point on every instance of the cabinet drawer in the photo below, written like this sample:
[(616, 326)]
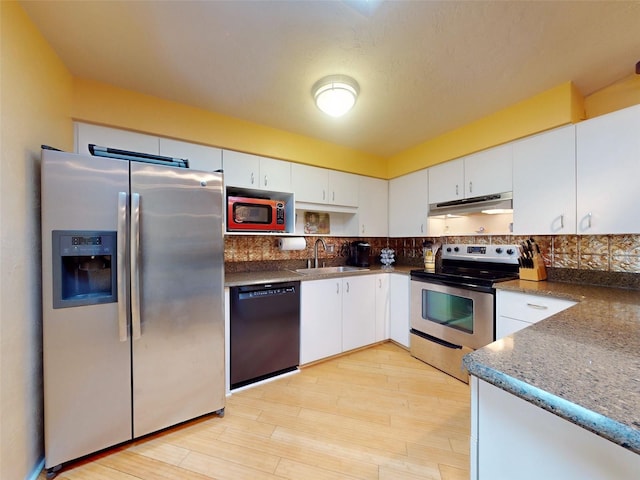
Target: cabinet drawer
[(529, 308)]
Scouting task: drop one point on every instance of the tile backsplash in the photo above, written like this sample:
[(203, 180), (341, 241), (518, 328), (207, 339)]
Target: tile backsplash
[(602, 253)]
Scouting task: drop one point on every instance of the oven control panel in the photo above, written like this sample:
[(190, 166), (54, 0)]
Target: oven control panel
[(484, 253)]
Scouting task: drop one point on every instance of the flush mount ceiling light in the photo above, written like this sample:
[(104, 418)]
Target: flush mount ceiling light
[(335, 95)]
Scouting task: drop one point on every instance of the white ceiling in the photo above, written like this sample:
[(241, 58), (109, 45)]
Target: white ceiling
[(424, 67)]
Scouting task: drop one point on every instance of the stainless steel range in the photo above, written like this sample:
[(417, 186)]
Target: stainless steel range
[(453, 309)]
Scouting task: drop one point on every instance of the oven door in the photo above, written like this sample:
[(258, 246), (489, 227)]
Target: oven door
[(457, 315)]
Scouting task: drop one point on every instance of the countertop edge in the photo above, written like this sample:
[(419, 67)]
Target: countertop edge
[(273, 276), (594, 422)]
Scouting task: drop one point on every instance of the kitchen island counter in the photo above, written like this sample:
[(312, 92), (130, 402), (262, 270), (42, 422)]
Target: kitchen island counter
[(582, 364)]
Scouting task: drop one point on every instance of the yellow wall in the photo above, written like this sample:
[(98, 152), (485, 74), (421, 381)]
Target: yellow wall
[(35, 99), (559, 106), (621, 94), (104, 104)]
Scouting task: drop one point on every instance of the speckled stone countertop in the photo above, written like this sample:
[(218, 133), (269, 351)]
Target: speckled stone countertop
[(273, 276), (582, 364)]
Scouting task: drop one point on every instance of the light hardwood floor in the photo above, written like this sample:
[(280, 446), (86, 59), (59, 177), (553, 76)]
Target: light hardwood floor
[(373, 414)]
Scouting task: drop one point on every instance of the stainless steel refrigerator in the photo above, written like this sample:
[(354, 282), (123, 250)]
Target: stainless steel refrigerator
[(132, 292)]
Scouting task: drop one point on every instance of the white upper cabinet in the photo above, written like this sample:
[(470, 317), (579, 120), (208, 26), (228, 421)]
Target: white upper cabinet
[(252, 171), (544, 186), (320, 185), (608, 173), (489, 171), (373, 204), (86, 133), (343, 188), (310, 184), (408, 205), (482, 173), (201, 157), (446, 181)]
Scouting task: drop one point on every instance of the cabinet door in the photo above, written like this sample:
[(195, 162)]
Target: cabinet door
[(608, 169), (320, 319), (275, 175), (489, 171), (358, 312), (544, 183), (505, 326), (373, 204), (241, 169), (399, 308), (408, 205), (201, 157), (309, 184), (382, 307), (515, 310), (446, 181), (343, 189), (113, 138), (529, 308), (517, 439)]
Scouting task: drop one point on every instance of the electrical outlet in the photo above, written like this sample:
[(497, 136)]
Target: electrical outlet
[(331, 248)]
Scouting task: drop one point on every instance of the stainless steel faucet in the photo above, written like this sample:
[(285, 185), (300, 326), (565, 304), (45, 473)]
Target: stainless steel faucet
[(315, 251)]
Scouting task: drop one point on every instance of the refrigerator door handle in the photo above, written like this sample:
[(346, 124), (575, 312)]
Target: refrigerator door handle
[(135, 270), (122, 266)]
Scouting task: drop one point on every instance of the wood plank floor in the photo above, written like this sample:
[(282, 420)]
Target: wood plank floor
[(376, 413)]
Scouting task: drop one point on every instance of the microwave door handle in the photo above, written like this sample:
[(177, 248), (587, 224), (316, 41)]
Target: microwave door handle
[(135, 266), (121, 269)]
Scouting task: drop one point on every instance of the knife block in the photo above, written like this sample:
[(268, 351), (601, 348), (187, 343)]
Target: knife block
[(537, 273)]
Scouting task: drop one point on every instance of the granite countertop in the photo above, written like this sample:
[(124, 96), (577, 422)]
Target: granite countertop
[(273, 276), (582, 364)]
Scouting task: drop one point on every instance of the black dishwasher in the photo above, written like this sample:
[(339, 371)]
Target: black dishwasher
[(264, 331)]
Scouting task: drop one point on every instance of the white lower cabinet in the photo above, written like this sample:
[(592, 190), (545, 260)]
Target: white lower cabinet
[(358, 312), (512, 438), (399, 324), (339, 314), (320, 319), (515, 310), (382, 306)]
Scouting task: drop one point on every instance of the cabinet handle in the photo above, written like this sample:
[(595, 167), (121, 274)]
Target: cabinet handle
[(589, 219), (347, 287), (537, 307), (379, 283), (266, 180), (252, 179), (324, 194), (337, 288), (333, 197), (562, 221), (363, 228), (470, 187), (456, 189), (422, 228)]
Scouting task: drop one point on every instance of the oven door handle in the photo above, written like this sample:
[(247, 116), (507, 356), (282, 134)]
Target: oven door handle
[(437, 340)]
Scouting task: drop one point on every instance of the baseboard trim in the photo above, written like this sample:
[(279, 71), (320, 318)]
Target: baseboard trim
[(34, 474)]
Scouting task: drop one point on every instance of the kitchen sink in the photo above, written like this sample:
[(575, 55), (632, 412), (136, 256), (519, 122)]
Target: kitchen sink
[(321, 270)]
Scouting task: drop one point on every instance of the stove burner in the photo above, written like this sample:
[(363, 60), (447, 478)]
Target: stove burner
[(481, 265)]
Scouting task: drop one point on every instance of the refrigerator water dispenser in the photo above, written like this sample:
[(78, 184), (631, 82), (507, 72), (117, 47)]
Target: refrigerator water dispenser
[(84, 268)]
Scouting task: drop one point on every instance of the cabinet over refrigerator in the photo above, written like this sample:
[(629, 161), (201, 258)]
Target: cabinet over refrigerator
[(132, 292)]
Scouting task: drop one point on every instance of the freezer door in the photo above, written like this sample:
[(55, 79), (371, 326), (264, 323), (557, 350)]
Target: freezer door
[(178, 346), (86, 353)]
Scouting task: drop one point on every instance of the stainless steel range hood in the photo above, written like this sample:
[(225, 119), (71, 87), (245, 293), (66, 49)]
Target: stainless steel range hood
[(472, 205)]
